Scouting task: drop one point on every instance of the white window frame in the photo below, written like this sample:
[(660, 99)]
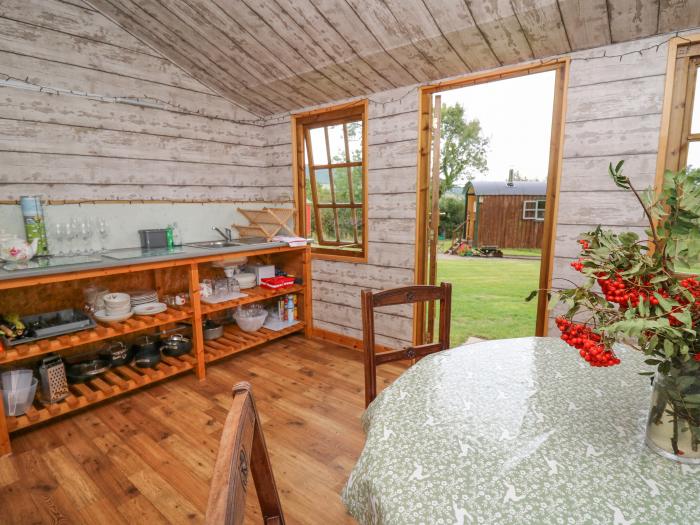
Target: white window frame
[(534, 210)]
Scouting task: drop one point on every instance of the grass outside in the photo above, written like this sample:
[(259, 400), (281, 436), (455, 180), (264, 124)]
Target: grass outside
[(444, 245), (488, 297)]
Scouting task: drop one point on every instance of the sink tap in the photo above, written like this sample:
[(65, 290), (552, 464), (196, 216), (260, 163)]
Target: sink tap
[(228, 236)]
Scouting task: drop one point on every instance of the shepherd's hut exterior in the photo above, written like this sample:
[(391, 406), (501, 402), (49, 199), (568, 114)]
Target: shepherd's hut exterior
[(505, 214)]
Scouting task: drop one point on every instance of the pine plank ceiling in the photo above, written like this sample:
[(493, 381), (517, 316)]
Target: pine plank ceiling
[(273, 56)]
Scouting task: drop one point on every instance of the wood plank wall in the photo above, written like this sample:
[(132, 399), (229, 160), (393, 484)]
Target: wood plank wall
[(501, 222), (76, 148), (614, 113), (392, 155)]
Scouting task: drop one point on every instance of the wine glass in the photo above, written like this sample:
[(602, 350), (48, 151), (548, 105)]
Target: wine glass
[(75, 230), (103, 231), (86, 235), (69, 234), (59, 235)]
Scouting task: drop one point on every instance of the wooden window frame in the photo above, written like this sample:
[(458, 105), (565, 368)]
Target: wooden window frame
[(301, 124), (679, 94), (537, 209)]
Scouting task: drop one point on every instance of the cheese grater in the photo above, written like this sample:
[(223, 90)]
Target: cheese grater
[(54, 386)]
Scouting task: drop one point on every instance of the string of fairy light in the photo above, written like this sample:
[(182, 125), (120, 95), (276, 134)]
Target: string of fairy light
[(147, 101)]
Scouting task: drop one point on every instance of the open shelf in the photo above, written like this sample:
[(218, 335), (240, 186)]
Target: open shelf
[(253, 296), (236, 340), (116, 381), (54, 344)]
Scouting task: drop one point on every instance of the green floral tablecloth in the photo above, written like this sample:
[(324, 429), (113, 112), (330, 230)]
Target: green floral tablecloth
[(517, 431)]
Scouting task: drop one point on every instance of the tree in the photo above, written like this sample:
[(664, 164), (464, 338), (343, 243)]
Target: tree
[(451, 214), (462, 147), (521, 178)]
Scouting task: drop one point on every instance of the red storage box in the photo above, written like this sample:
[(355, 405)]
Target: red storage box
[(276, 282)]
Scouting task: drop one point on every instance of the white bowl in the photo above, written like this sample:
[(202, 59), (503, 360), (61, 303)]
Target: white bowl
[(116, 300)]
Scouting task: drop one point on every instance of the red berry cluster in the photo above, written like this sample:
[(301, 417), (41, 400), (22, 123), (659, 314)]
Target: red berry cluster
[(577, 265), (587, 342), (625, 292), (696, 356), (584, 244)]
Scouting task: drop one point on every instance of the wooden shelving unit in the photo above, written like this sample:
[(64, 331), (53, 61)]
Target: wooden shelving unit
[(254, 295), (119, 380), (166, 278), (236, 340), (101, 332)]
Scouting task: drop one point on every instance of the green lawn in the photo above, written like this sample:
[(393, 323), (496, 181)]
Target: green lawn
[(488, 297), (444, 244)]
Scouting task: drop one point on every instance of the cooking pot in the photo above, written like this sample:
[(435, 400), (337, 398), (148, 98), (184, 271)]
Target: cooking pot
[(146, 352), (175, 345), (212, 330), (81, 372), (116, 353)]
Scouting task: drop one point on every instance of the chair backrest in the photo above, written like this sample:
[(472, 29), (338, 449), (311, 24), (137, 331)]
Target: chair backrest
[(405, 295), (242, 450)]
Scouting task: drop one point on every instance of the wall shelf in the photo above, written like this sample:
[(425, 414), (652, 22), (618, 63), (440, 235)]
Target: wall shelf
[(119, 380), (254, 295), (101, 332), (236, 340)]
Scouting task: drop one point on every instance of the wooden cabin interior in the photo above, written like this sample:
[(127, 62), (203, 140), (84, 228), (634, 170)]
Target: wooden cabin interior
[(200, 193)]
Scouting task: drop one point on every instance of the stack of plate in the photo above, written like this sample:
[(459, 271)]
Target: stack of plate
[(143, 296), (145, 302)]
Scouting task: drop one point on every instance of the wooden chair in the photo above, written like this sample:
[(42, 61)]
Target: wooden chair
[(242, 450), (406, 295)]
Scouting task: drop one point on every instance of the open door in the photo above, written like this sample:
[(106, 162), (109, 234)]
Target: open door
[(428, 190), (427, 238)]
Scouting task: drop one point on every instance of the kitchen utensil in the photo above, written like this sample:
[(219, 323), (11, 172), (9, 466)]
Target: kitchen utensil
[(116, 353), (18, 401), (54, 384), (250, 318), (150, 308), (50, 324), (86, 370), (146, 352), (94, 297), (104, 317), (143, 297), (212, 330), (175, 345)]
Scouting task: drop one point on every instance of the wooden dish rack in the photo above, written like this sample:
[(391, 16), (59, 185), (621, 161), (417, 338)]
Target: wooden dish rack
[(266, 222)]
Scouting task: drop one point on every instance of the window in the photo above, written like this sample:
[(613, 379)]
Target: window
[(331, 171), (683, 147), (533, 210)]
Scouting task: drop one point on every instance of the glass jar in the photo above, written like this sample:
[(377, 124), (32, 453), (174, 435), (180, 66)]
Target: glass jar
[(673, 427)]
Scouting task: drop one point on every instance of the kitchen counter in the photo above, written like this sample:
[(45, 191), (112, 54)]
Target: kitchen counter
[(114, 259)]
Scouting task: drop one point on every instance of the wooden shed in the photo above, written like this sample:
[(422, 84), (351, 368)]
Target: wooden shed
[(505, 214)]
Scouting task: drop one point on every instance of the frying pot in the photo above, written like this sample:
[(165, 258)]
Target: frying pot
[(212, 330), (81, 372), (175, 345), (146, 352), (117, 353)]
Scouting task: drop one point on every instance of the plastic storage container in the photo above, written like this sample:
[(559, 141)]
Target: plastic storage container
[(18, 401)]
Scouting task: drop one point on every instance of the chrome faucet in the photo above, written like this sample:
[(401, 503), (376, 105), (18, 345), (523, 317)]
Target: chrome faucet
[(228, 236)]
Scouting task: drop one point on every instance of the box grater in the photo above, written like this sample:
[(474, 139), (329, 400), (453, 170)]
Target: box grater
[(54, 386)]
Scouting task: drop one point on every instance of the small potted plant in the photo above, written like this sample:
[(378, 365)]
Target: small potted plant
[(642, 292)]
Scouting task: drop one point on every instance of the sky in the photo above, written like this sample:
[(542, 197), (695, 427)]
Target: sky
[(516, 114)]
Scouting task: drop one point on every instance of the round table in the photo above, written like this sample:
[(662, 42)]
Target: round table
[(517, 431)]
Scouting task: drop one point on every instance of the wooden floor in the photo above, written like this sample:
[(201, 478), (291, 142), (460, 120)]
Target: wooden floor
[(148, 457)]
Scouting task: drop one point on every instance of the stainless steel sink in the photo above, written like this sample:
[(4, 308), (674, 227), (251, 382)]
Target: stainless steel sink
[(213, 244)]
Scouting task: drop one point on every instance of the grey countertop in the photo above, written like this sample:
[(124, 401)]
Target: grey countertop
[(38, 267)]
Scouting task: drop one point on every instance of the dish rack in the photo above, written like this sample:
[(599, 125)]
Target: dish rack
[(266, 222)]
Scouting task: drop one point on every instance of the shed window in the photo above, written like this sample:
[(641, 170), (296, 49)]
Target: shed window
[(334, 181), (533, 210)]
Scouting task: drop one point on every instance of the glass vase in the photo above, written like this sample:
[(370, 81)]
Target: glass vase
[(673, 427)]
